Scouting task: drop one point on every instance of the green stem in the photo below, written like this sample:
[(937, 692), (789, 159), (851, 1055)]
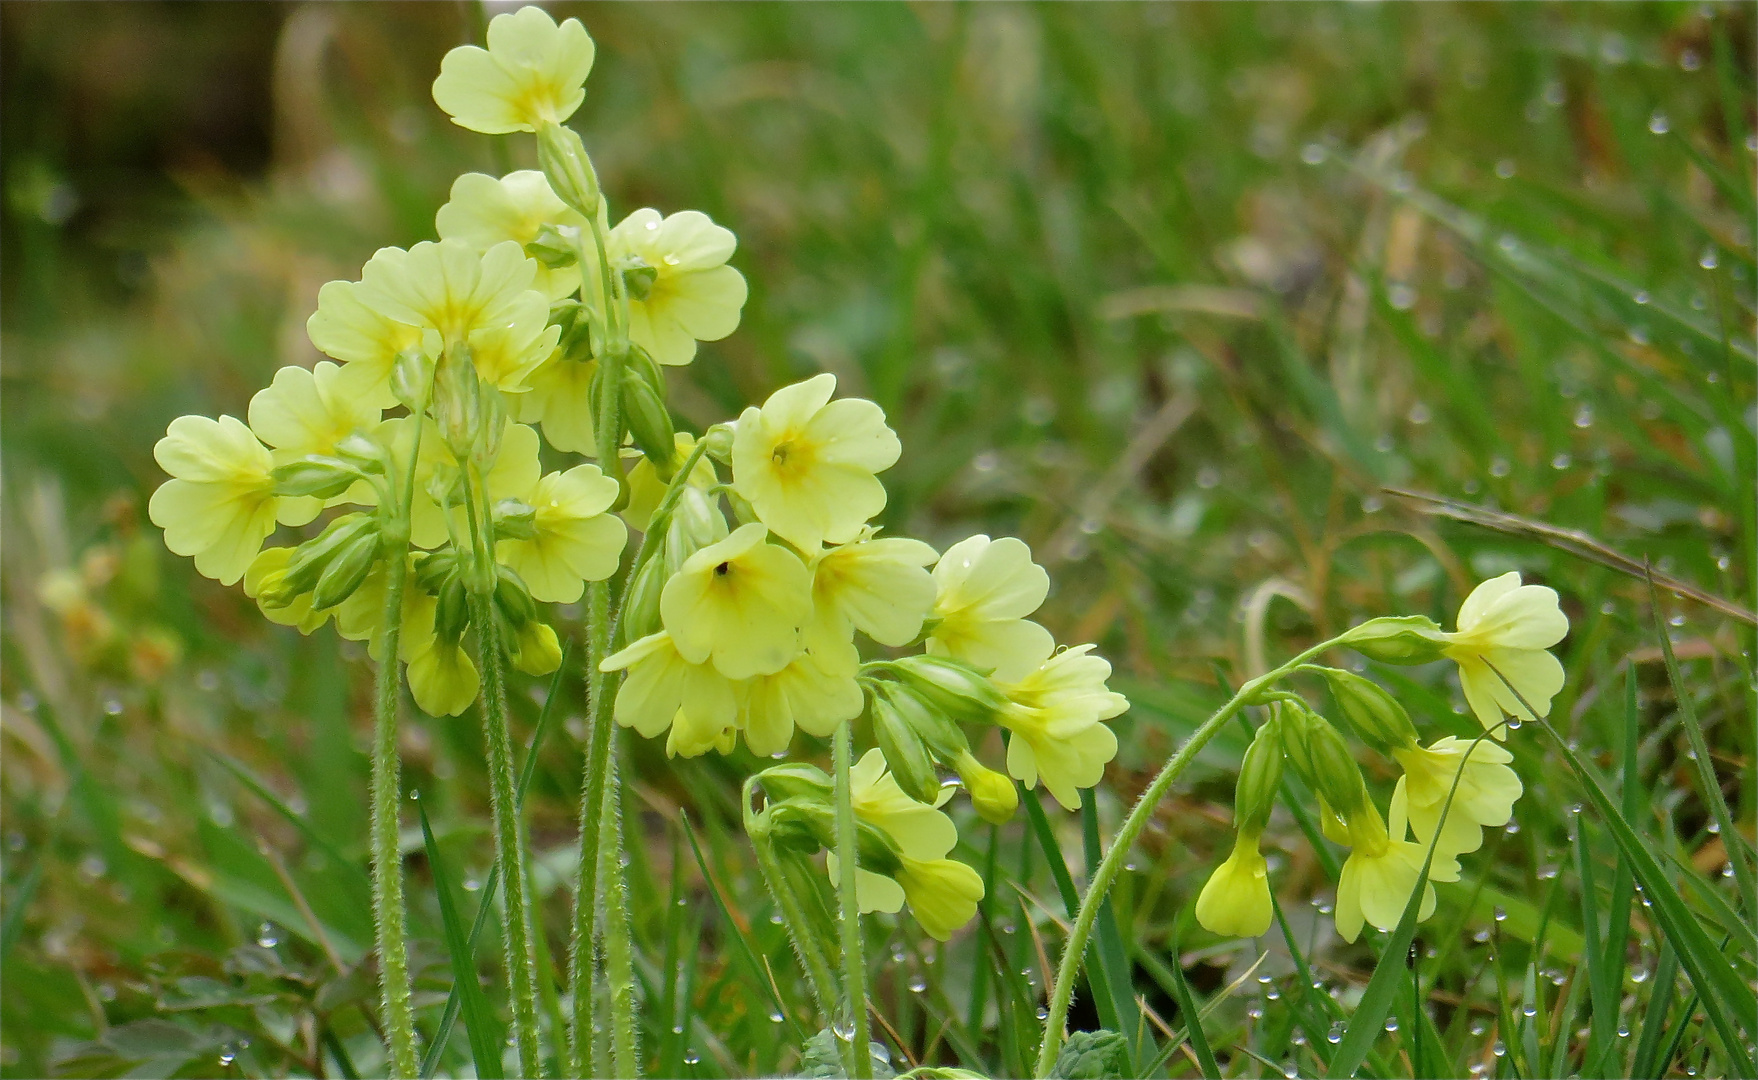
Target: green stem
[(619, 951), (390, 917), (1074, 949), (582, 943), (854, 964), (503, 804), (819, 974)]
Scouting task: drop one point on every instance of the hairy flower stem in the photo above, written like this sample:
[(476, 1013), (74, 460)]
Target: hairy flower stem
[(854, 964), (508, 836), (619, 949), (819, 973), (389, 915), (1073, 951), (582, 942)]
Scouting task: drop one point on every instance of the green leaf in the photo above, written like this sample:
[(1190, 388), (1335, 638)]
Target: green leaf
[(479, 1023), (1193, 1021), (1092, 1055), (820, 1059)]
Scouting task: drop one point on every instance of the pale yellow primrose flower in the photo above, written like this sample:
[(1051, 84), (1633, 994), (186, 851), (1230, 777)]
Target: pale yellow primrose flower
[(1381, 872), (560, 399), (876, 585), (1506, 627), (815, 692), (647, 490), (309, 411), (1487, 791), (484, 211), (807, 463), (220, 504), (664, 690), (1055, 717), (1235, 902), (985, 590), (533, 72), (366, 341), (358, 618), (483, 298), (740, 604), (442, 679), (576, 541), (694, 295)]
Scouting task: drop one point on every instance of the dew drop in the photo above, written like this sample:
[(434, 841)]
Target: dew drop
[(917, 984), (1419, 414), (1658, 125), (1530, 1009), (1335, 1035), (1505, 169), (1391, 1023), (1499, 467), (677, 1029), (1561, 462), (1313, 153), (1709, 260), (1401, 297), (1500, 1049), (1478, 1027), (775, 1016), (1584, 415), (1501, 914), (1043, 1013), (691, 1057), (268, 935), (1690, 60), (1641, 296)]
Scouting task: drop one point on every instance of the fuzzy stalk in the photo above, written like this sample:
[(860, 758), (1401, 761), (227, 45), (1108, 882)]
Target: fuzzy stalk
[(619, 946), (820, 976), (1074, 949), (582, 942), (854, 964)]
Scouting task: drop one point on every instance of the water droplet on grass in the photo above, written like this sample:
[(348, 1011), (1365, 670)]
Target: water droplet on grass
[(1658, 124), (268, 935)]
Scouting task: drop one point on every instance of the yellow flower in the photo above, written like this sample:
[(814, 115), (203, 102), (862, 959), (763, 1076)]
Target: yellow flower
[(664, 690), (1055, 716), (692, 296), (559, 398), (942, 894), (984, 591), (533, 72), (740, 604), (1235, 902), (264, 572), (514, 474), (919, 830), (575, 541), (1485, 798), (1505, 627), (367, 342), (535, 649), (876, 585), (310, 411), (485, 299), (807, 463), (359, 617), (484, 211), (647, 490), (220, 504), (442, 678), (815, 692), (1381, 873)]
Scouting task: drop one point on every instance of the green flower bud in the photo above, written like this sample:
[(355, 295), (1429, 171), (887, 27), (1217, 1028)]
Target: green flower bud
[(513, 599), (944, 738), (553, 247), (345, 571), (1335, 773), (432, 568), (954, 688), (992, 794), (311, 558), (1260, 778), (905, 752), (720, 440), (650, 424), (796, 780), (1401, 639), (567, 168), (368, 455), (315, 475), (514, 520), (412, 378), (579, 325), (1375, 715), (469, 412), (535, 649), (451, 615), (641, 603), (695, 523), (638, 278)]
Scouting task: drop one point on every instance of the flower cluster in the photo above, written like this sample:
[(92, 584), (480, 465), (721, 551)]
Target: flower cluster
[(1450, 790)]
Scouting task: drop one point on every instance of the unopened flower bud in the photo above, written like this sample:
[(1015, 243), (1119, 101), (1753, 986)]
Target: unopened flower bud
[(514, 520), (315, 475), (720, 440), (905, 752), (553, 246), (695, 523), (1260, 779), (795, 780), (412, 378), (992, 794), (579, 328), (1375, 715), (513, 598), (461, 404), (535, 649), (650, 424), (954, 688), (640, 615), (451, 614), (346, 571), (368, 455), (567, 168), (1334, 770), (313, 557), (1401, 639), (638, 278)]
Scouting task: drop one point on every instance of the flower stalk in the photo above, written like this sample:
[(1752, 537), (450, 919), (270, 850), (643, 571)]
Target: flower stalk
[(854, 964)]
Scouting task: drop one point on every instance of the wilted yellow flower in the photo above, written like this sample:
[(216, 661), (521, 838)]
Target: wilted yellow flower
[(985, 590), (878, 585), (264, 572), (220, 504), (1506, 627), (1381, 873), (560, 399), (691, 294), (484, 212), (310, 411), (740, 604), (815, 692), (663, 689), (807, 463), (483, 298), (533, 72), (1055, 716), (1485, 798), (1235, 902), (575, 540)]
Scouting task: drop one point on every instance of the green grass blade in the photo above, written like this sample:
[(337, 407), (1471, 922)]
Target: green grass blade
[(1193, 1021), (1101, 983), (479, 1024), (356, 876), (1600, 991), (1114, 968), (1654, 1025)]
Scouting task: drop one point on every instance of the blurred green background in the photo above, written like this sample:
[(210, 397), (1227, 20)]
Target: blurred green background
[(1171, 291)]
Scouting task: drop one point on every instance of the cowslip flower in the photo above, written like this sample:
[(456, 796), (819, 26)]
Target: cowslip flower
[(514, 474), (220, 504), (740, 604), (984, 591), (1235, 901), (367, 342), (807, 463), (647, 490), (1504, 630), (484, 211), (664, 690), (442, 677), (1055, 714), (691, 295), (559, 398), (533, 72), (877, 585), (1485, 798), (573, 539), (309, 411), (484, 299), (815, 692), (1382, 870)]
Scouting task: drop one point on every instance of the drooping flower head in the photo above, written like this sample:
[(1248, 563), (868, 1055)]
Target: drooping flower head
[(815, 692), (664, 690), (1382, 870), (533, 72), (680, 289), (1235, 901), (1504, 631), (985, 590), (877, 585)]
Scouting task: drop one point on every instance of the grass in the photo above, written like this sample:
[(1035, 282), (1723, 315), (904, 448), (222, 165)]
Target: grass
[(1173, 292)]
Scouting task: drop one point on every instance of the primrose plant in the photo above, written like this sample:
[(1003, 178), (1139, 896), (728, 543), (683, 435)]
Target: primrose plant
[(759, 581)]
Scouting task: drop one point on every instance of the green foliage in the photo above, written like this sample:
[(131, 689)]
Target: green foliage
[(1092, 1055)]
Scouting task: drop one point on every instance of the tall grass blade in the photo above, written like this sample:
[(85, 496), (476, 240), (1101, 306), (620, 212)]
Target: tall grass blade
[(1654, 1024), (1193, 1021), (479, 1024)]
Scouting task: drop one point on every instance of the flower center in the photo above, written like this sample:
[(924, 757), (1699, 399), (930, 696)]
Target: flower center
[(722, 570)]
